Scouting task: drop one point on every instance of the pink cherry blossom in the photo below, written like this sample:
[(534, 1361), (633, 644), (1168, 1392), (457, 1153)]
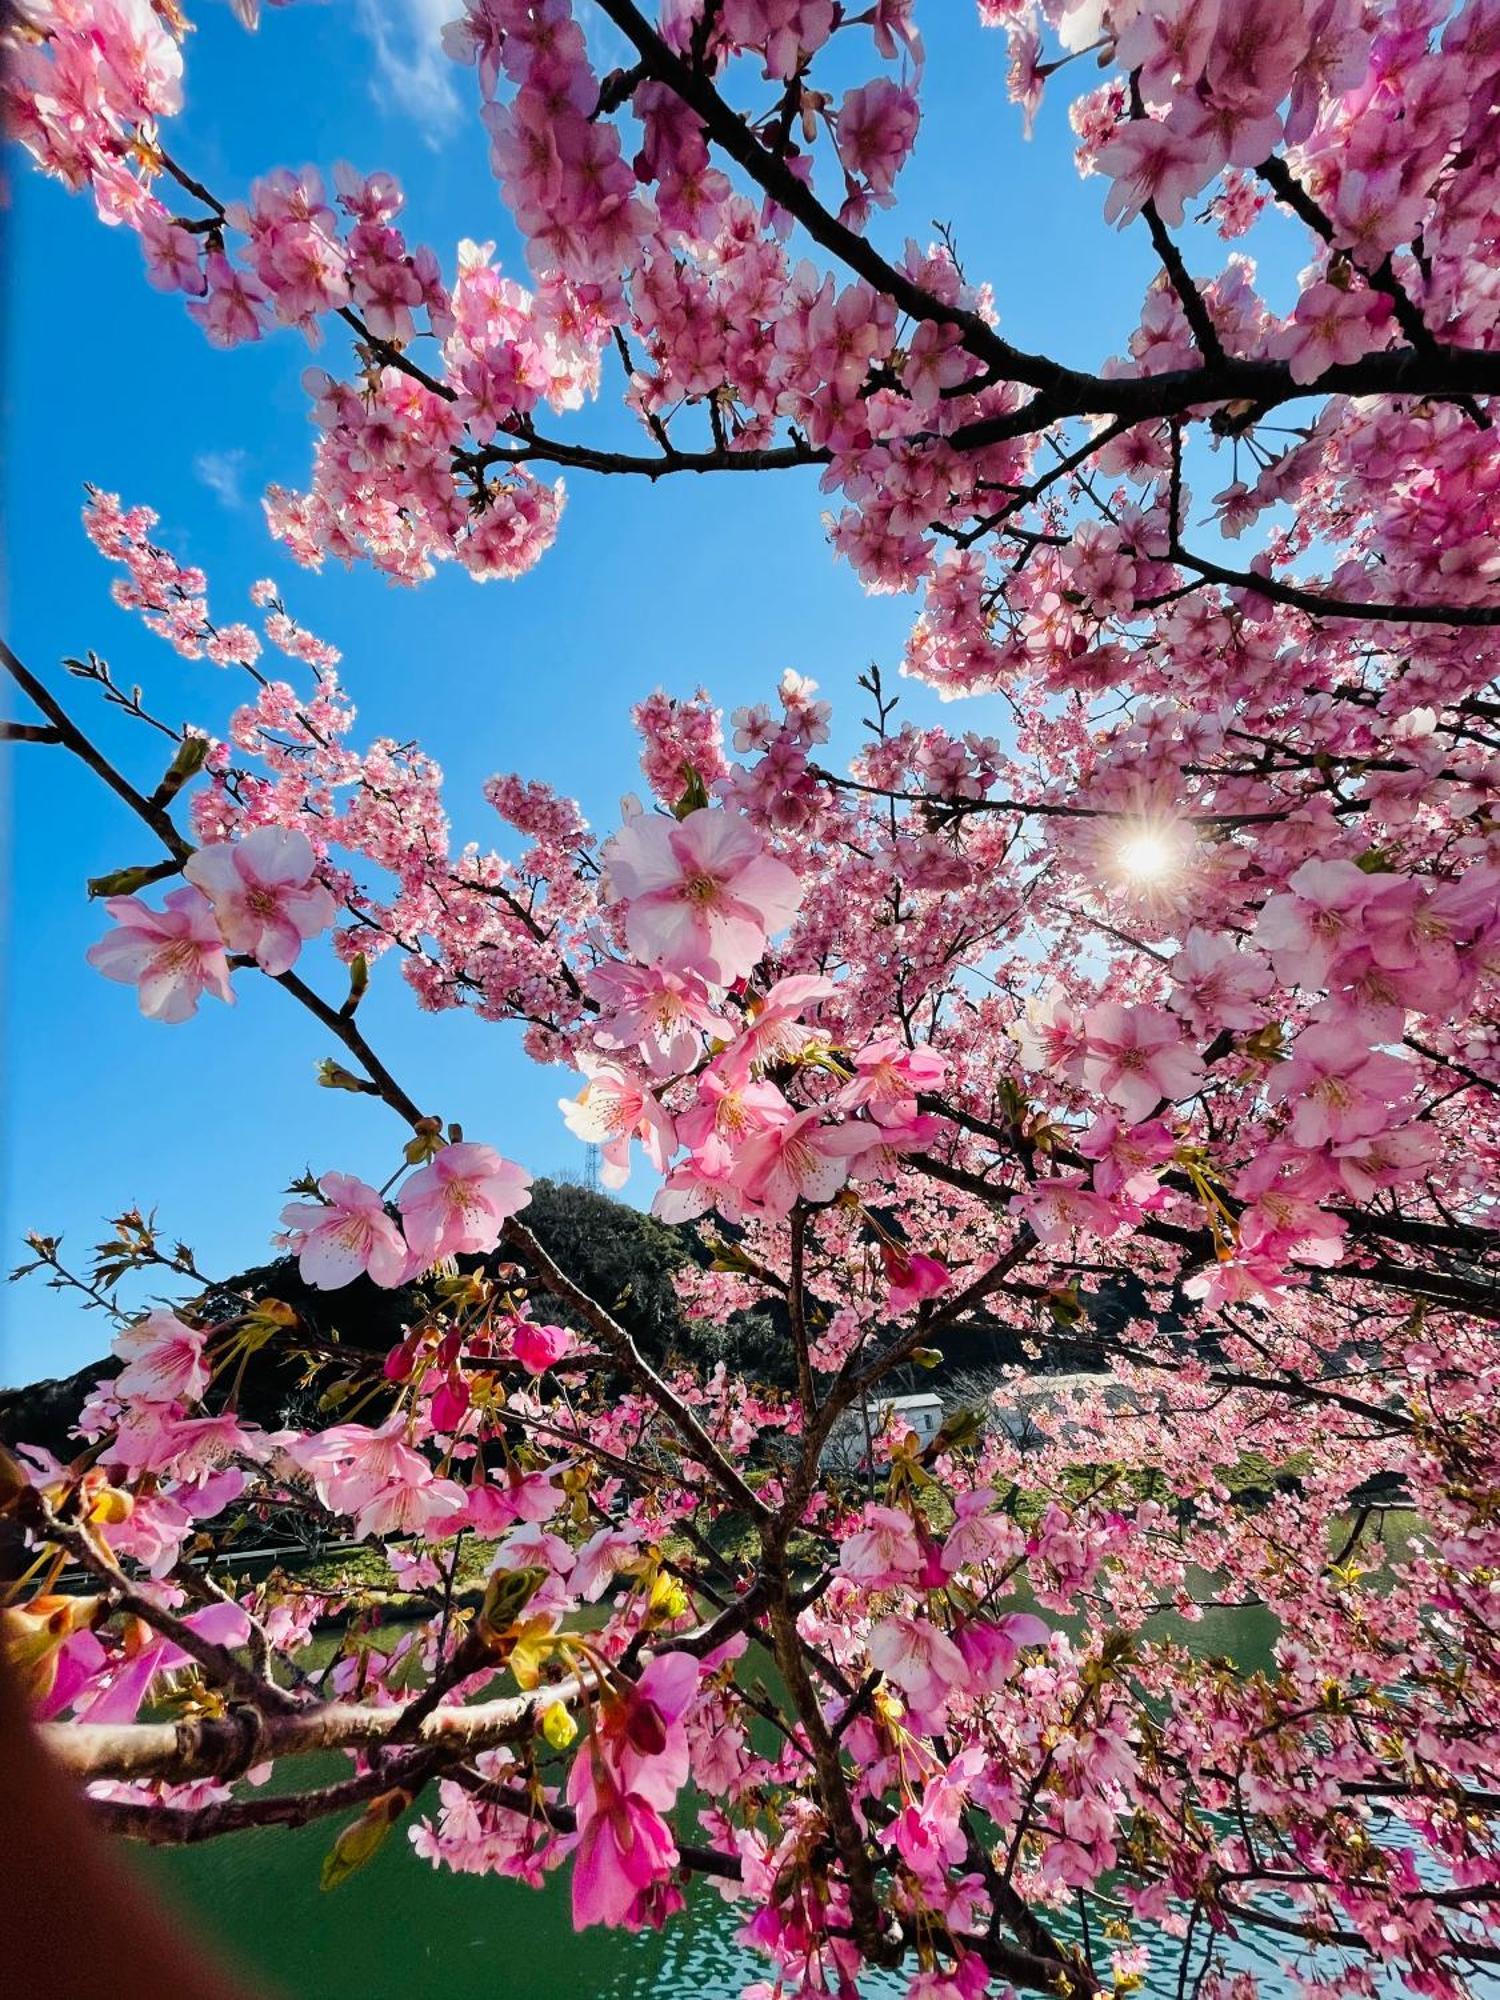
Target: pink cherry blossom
[(344, 1235), (235, 306), (539, 1348), (803, 1159), (172, 956), (1137, 1057), (783, 30), (1050, 1035), (624, 1846), (457, 1204), (659, 1014), (1216, 985), (118, 1696), (642, 1734), (1059, 1204), (877, 128), (991, 1647), (708, 1178), (1305, 928), (1338, 1090), (266, 900), (173, 255), (979, 1535), (1331, 324), (702, 894), (1155, 161), (377, 1478), (1383, 1159), (164, 1361), (912, 1277), (610, 1111), (730, 1105), (1126, 1155), (884, 1550), (889, 1077), (775, 1031), (921, 1660)]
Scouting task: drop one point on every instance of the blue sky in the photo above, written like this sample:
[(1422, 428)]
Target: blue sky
[(724, 582)]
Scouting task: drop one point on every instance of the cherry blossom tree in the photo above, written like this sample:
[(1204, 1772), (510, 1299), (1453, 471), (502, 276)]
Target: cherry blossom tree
[(1170, 987)]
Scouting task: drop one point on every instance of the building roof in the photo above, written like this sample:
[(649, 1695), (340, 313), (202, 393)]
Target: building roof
[(920, 1402)]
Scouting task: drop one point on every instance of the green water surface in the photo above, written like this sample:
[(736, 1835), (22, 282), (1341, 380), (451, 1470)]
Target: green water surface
[(402, 1928)]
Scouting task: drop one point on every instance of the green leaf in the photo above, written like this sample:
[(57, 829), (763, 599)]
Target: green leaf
[(188, 762), (694, 794), (1265, 1044), (427, 1143), (359, 980), (333, 1076), (363, 1838), (506, 1596), (265, 1320), (129, 881), (959, 1429), (728, 1257), (1065, 1306)]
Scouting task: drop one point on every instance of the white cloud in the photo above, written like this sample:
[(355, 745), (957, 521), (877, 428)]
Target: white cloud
[(412, 73), (607, 48), (220, 472)]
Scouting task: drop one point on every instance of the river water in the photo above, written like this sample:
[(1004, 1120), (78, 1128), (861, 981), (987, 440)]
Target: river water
[(401, 1928)]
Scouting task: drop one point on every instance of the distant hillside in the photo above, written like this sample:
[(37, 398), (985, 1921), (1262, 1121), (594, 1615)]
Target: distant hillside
[(621, 1257)]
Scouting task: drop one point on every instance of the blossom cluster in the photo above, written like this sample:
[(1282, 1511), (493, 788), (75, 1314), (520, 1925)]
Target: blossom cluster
[(1128, 1058)]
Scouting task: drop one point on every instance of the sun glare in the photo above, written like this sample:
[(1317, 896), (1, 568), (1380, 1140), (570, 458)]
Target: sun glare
[(1145, 856)]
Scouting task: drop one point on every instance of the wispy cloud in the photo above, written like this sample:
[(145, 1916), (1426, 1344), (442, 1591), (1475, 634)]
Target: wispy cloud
[(221, 472), (607, 47), (411, 72)]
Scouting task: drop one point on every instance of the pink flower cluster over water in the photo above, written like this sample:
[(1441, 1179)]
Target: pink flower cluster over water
[(1136, 1045)]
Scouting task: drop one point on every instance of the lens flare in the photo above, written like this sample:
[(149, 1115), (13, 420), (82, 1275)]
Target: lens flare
[(1145, 856)]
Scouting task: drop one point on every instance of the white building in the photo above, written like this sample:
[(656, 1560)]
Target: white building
[(859, 1437)]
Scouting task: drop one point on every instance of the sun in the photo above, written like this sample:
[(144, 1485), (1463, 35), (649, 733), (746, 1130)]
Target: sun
[(1146, 856)]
